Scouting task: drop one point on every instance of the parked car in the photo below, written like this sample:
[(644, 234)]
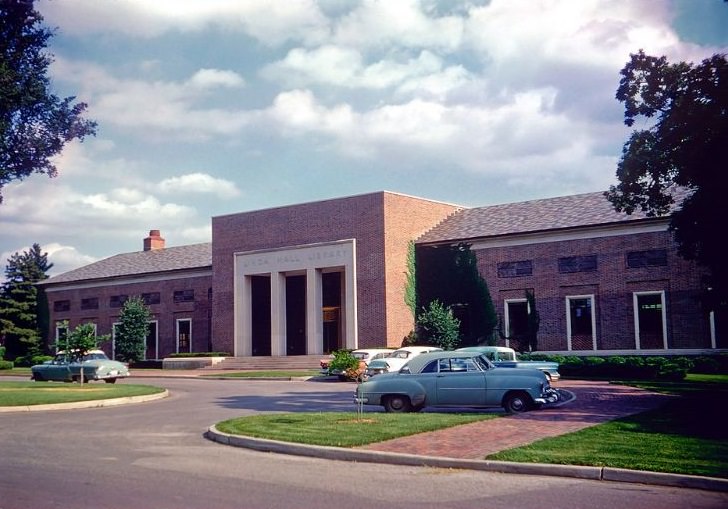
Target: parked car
[(365, 355), (397, 359), (456, 379), (505, 357), (95, 364)]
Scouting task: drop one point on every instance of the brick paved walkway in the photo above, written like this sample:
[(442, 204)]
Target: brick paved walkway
[(595, 403)]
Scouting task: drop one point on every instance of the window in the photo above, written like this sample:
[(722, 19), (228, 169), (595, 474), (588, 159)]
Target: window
[(184, 335), (649, 258), (650, 320), (515, 269), (516, 320), (580, 323), (61, 332), (184, 296), (116, 301), (62, 305), (570, 264), (151, 298), (90, 303)]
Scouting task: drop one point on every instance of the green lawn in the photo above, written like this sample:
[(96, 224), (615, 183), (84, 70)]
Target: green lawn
[(266, 374), (342, 429), (40, 393), (687, 435)]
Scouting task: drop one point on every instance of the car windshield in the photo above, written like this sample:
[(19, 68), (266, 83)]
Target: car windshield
[(400, 354), (95, 356), (483, 362)]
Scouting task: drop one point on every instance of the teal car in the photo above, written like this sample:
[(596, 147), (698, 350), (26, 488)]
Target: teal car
[(95, 365), (505, 357), (456, 379)]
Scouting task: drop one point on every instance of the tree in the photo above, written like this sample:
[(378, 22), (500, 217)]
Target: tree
[(684, 147), (410, 288), (450, 275), (19, 302), (34, 123), (132, 331), (437, 325)]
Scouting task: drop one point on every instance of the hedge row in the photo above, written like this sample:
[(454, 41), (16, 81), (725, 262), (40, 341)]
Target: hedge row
[(636, 367)]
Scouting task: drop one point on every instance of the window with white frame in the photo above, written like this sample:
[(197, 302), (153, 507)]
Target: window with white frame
[(114, 331), (184, 335), (61, 333), (650, 320), (580, 323), (516, 322)]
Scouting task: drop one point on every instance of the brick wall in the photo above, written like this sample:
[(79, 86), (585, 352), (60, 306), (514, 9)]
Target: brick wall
[(165, 313), (612, 286), (382, 224)]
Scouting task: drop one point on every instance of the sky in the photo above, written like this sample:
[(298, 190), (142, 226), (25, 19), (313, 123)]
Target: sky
[(214, 107)]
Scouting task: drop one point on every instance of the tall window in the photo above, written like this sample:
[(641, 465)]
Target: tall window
[(516, 321), (650, 320), (61, 331), (580, 323), (151, 351), (184, 335)]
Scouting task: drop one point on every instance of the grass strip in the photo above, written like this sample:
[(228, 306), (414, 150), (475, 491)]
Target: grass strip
[(342, 429), (265, 374), (43, 393)]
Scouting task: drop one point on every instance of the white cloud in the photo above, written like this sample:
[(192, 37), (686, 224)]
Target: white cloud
[(65, 258), (160, 109), (270, 22), (210, 78), (199, 183)]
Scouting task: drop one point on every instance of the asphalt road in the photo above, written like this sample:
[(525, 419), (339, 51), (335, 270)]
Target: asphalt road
[(154, 455)]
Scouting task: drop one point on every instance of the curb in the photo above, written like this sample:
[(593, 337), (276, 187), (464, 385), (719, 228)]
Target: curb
[(87, 404), (503, 467)]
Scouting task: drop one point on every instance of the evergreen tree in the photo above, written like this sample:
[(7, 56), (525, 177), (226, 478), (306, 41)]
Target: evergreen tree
[(450, 275), (19, 329), (132, 331)]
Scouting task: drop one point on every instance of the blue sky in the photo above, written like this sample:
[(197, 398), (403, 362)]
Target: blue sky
[(211, 107)]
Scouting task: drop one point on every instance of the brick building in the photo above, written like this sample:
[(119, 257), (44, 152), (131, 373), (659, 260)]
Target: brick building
[(311, 278)]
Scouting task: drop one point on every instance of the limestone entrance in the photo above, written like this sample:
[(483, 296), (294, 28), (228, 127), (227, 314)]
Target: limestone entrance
[(295, 301)]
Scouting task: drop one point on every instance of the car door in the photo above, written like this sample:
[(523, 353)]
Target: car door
[(460, 382)]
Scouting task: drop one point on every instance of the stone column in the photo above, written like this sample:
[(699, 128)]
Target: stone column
[(278, 314), (314, 312)]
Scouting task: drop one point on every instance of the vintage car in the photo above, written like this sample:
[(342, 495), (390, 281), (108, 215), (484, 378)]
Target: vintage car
[(456, 379), (505, 357), (95, 364), (396, 359)]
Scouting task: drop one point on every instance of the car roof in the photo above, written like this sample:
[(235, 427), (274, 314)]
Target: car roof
[(484, 349), (417, 363), (373, 350), (418, 348)]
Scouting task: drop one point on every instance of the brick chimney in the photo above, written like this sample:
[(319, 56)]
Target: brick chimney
[(154, 241)]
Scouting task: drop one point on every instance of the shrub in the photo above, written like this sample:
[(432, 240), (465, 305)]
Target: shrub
[(438, 326), (705, 365), (2, 352), (344, 362), (40, 359), (6, 364)]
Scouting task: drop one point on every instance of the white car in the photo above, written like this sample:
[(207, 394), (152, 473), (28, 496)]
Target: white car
[(396, 360)]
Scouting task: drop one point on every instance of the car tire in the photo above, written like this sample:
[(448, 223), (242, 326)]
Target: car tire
[(397, 403), (110, 380), (517, 402)]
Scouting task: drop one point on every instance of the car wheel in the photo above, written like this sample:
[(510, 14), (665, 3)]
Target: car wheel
[(517, 402), (397, 403), (110, 380)]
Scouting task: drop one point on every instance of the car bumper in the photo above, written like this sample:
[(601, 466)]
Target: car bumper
[(547, 396)]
